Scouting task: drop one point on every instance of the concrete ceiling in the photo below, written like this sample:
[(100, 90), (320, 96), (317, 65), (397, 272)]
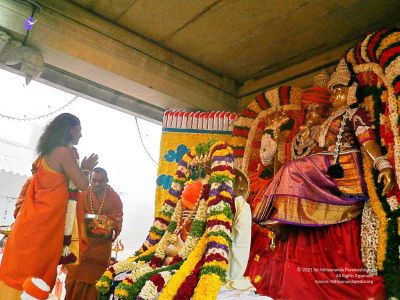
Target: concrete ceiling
[(145, 56), (248, 39)]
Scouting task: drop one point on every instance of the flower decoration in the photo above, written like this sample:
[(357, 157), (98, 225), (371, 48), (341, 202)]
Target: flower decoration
[(376, 64), (177, 155), (165, 181), (205, 251)]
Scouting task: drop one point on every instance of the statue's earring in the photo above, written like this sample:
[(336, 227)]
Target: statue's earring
[(351, 96)]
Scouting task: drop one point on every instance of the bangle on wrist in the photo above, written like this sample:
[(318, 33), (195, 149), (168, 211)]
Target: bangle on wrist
[(382, 163), (86, 171)]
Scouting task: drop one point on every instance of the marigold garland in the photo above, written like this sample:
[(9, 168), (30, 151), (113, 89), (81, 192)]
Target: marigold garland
[(379, 54), (207, 287), (214, 270), (148, 263), (179, 277)]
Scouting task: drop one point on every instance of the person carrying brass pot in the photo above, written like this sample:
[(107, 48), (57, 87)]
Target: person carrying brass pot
[(103, 218)]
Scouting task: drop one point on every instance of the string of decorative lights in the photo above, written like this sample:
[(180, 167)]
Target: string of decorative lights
[(141, 140), (42, 116)]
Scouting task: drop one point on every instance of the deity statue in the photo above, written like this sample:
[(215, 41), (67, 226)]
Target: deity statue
[(325, 188), (315, 109), (317, 184)]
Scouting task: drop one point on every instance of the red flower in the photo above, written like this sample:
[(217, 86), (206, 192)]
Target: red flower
[(156, 262), (158, 281), (175, 260)]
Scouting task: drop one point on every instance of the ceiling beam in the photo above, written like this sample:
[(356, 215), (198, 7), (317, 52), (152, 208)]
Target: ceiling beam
[(300, 75), (98, 51)]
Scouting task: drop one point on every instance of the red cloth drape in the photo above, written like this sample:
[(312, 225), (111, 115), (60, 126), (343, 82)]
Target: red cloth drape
[(301, 266)]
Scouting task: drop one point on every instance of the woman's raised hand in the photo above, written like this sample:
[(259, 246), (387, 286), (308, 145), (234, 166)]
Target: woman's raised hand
[(88, 163)]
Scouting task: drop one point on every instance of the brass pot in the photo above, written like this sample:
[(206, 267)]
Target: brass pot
[(98, 226)]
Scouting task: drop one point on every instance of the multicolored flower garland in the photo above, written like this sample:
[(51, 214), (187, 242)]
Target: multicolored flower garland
[(154, 285), (220, 212), (376, 63), (170, 291), (159, 227), (284, 96), (144, 276), (161, 222)]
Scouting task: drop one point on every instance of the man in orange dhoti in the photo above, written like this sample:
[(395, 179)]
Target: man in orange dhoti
[(35, 244), (100, 199)]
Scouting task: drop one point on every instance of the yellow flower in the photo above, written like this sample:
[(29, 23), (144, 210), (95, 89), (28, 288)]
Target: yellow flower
[(226, 194), (222, 264), (121, 293), (254, 106), (350, 57), (102, 284), (256, 257), (218, 239), (188, 266), (108, 274), (211, 198), (147, 252), (224, 173), (154, 236), (207, 287), (257, 279), (216, 144), (223, 152), (238, 141), (387, 42), (220, 217)]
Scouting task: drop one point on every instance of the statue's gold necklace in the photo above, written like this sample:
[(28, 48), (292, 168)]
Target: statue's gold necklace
[(102, 201), (325, 126)]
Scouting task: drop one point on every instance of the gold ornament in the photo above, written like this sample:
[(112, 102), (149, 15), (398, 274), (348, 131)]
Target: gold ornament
[(341, 76), (321, 79)]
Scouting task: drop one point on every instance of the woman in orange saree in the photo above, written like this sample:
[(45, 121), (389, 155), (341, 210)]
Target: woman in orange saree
[(35, 244)]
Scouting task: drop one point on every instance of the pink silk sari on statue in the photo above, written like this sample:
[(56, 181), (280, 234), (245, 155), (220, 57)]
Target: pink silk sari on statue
[(303, 194), (316, 261)]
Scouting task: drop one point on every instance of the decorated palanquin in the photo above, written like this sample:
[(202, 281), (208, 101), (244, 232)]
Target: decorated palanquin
[(186, 251), (349, 250), (181, 131), (199, 225)]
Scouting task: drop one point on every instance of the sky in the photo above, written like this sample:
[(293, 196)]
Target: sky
[(111, 134)]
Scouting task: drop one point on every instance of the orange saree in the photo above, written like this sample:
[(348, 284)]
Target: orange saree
[(35, 243)]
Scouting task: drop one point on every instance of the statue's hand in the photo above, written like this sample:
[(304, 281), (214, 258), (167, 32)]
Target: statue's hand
[(305, 132), (388, 180)]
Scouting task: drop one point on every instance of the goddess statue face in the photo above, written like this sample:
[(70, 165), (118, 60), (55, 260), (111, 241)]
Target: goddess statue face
[(339, 96)]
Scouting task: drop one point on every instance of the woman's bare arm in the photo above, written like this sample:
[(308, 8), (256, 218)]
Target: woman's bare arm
[(62, 159)]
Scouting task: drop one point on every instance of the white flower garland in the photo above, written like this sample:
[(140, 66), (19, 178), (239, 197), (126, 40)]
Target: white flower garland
[(162, 245), (149, 290), (192, 241), (69, 221)]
